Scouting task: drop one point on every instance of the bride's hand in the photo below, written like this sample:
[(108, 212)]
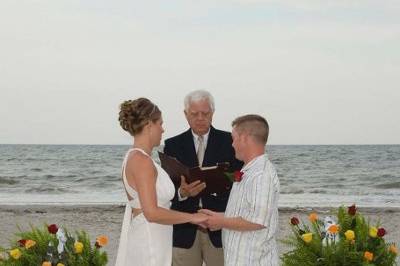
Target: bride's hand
[(199, 218)]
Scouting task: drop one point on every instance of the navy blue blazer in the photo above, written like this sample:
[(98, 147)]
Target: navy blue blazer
[(219, 149)]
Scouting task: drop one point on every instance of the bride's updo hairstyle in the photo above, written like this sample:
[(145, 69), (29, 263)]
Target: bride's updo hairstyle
[(135, 114)]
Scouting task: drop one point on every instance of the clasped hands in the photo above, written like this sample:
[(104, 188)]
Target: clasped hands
[(210, 219), (204, 218)]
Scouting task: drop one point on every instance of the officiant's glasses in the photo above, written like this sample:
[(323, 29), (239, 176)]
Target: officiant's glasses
[(200, 114)]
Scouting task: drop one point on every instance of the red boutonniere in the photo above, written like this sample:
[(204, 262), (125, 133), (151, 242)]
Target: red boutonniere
[(237, 176)]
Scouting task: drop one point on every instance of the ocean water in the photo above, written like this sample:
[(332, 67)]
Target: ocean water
[(314, 175)]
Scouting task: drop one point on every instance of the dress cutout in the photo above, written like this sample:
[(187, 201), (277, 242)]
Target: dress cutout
[(144, 243)]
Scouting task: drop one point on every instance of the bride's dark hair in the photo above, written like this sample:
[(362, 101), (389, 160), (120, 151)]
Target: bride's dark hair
[(135, 114)]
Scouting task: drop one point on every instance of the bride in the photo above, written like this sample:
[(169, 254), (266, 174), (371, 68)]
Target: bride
[(146, 235)]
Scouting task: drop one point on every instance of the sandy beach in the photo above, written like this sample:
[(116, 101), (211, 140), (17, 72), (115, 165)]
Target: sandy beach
[(106, 219)]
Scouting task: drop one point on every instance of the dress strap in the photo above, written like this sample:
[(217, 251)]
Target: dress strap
[(131, 191), (127, 155), (141, 150)]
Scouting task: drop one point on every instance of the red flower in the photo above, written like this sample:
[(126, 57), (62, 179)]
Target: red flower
[(381, 232), (22, 242), (237, 176), (294, 221), (352, 210), (52, 229)]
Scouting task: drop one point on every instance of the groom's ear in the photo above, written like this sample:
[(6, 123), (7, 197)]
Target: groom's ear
[(246, 138)]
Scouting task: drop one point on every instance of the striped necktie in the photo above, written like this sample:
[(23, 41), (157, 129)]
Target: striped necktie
[(200, 150)]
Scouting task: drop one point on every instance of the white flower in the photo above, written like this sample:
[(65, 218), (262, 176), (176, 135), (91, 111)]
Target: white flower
[(61, 240)]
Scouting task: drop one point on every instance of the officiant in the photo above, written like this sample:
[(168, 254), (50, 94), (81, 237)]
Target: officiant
[(200, 145)]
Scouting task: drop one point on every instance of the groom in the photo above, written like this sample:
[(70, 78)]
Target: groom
[(201, 145), (251, 217)]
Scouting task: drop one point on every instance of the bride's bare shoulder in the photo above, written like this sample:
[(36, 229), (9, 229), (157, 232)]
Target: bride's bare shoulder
[(138, 163)]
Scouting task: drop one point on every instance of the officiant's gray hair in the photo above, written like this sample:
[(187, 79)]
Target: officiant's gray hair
[(199, 95)]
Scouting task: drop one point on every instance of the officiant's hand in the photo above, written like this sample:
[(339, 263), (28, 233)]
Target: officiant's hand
[(215, 219), (191, 189)]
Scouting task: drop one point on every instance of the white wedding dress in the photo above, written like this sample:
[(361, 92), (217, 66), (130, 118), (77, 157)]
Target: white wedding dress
[(144, 243)]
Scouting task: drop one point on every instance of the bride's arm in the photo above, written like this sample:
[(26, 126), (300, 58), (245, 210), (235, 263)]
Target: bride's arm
[(141, 175)]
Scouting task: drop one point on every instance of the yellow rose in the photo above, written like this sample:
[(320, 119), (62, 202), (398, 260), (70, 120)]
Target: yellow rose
[(307, 237), (313, 217), (393, 249), (349, 234), (15, 253), (373, 232), (46, 263), (29, 243), (78, 246), (60, 264), (369, 256)]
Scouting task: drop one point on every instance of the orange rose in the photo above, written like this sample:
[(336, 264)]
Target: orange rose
[(313, 217), (369, 256), (393, 249), (46, 263), (101, 241), (333, 229), (29, 243)]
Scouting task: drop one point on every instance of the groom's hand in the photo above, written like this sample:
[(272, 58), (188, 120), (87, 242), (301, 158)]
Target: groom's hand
[(191, 189), (215, 220)]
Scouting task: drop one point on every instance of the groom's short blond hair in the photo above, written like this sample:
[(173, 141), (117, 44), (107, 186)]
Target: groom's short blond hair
[(254, 125)]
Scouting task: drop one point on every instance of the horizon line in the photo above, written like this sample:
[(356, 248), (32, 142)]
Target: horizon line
[(92, 144)]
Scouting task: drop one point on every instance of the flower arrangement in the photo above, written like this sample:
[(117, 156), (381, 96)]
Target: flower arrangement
[(350, 242), (53, 246)]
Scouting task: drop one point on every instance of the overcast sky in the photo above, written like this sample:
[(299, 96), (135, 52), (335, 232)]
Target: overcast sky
[(321, 72)]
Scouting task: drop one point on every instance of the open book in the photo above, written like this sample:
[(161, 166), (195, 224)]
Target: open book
[(214, 177)]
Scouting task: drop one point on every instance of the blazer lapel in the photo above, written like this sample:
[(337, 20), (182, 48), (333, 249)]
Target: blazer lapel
[(212, 149)]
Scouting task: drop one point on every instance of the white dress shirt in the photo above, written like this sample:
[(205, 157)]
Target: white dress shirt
[(254, 199)]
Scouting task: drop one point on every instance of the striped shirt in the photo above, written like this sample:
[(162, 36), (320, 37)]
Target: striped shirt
[(255, 199)]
